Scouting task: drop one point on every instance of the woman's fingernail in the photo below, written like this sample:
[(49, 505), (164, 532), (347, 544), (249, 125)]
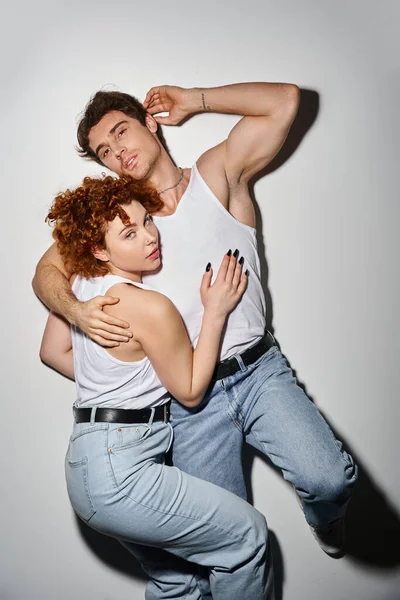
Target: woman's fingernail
[(241, 261), (208, 267), (236, 253), (247, 272), (229, 252)]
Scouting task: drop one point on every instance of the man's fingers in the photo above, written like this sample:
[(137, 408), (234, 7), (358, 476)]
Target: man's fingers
[(165, 120), (103, 342), (157, 108), (103, 300), (152, 91), (109, 330), (109, 336)]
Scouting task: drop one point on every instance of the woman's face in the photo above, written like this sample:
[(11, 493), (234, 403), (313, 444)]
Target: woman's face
[(131, 249)]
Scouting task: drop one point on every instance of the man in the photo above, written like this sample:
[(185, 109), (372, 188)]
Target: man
[(207, 209)]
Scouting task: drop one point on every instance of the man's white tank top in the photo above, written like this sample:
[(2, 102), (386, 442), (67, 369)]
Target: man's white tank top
[(200, 231), (101, 379)]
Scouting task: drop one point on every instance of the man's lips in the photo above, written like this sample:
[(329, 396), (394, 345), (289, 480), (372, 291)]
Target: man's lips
[(130, 161), (154, 255)]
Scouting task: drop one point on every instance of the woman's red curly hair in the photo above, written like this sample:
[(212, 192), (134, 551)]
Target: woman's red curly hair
[(80, 218)]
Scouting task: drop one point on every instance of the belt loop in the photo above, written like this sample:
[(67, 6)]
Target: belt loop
[(93, 415), (241, 364), (152, 411)]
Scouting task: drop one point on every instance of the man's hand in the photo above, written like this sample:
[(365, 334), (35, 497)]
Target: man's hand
[(102, 328), (171, 99)]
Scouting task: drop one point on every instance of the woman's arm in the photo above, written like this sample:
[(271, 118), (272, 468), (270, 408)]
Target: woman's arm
[(160, 330), (56, 348)]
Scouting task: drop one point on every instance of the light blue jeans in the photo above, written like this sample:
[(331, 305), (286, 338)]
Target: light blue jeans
[(118, 484), (263, 406)]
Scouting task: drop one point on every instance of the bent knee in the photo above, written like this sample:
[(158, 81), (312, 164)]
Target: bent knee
[(331, 484)]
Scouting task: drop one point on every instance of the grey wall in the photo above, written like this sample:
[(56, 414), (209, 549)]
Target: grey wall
[(329, 223)]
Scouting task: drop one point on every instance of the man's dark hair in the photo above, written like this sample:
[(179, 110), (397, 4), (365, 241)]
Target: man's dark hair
[(101, 104)]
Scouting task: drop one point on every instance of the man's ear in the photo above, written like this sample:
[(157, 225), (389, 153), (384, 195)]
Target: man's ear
[(151, 123), (100, 253)]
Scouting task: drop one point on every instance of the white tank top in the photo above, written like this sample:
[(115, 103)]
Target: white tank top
[(200, 231), (101, 379)]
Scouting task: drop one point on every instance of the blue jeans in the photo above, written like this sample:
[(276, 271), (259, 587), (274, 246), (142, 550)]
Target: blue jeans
[(118, 484), (262, 405)]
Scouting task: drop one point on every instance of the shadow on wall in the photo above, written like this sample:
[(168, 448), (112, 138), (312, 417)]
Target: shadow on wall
[(110, 551), (372, 523), (373, 526)]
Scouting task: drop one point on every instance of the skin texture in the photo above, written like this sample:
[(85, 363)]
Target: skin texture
[(159, 330), (268, 111)]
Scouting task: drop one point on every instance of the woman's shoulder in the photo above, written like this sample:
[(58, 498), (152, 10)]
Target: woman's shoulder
[(136, 301)]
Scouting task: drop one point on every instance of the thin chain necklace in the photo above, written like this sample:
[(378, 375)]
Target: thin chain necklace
[(176, 184)]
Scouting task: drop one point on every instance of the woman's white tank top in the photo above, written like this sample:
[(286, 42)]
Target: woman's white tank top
[(101, 379)]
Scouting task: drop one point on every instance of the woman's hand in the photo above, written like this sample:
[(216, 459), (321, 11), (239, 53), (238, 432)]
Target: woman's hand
[(220, 298)]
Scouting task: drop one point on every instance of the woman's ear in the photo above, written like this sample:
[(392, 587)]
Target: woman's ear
[(100, 253)]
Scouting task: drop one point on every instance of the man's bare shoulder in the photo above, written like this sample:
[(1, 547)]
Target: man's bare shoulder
[(212, 169), (236, 199)]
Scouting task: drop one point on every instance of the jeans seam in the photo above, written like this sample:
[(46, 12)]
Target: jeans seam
[(157, 510)]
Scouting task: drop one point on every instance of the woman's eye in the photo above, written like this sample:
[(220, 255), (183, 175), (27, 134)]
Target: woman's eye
[(130, 235), (148, 220)]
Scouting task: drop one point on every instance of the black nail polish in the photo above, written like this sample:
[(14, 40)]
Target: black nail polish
[(241, 261), (229, 252), (208, 267), (247, 272), (236, 253)]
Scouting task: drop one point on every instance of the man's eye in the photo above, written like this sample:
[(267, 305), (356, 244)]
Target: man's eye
[(105, 153), (121, 132)]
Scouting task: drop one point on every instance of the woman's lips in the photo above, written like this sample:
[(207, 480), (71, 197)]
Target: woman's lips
[(154, 255)]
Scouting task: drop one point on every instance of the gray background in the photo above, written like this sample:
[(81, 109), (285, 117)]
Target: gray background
[(329, 218)]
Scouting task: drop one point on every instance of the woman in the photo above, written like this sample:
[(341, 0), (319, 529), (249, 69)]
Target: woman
[(116, 477)]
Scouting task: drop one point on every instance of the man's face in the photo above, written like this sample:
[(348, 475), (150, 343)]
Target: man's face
[(124, 145)]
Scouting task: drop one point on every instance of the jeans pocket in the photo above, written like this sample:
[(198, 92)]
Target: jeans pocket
[(76, 473), (126, 436)]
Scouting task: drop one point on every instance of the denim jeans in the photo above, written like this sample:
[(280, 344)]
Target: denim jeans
[(119, 485), (262, 405)]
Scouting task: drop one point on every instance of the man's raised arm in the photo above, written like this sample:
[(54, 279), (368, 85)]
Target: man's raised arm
[(51, 285), (268, 111)]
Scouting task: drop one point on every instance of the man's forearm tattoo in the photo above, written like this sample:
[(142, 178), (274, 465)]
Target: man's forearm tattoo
[(204, 103)]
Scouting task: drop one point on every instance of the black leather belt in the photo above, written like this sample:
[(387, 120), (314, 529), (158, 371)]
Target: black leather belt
[(229, 366), (120, 415)]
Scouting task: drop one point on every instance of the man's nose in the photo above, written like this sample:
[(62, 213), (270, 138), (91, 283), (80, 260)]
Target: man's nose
[(118, 150)]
